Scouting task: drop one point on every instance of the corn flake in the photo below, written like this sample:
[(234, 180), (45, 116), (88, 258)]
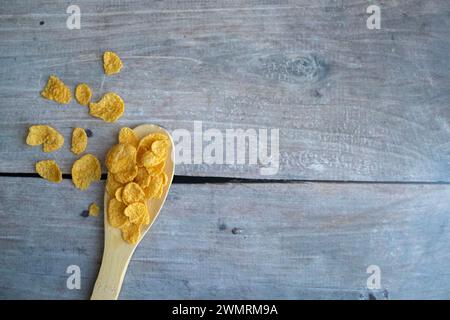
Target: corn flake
[(94, 209), (127, 136), (109, 108), (79, 140), (144, 149), (111, 63), (50, 139), (160, 147), (142, 178), (116, 216), (131, 232), (49, 170), (56, 90), (118, 194), (132, 193), (83, 94), (155, 170), (112, 185), (155, 188), (165, 179), (150, 159), (121, 157), (136, 212), (127, 175), (86, 170)]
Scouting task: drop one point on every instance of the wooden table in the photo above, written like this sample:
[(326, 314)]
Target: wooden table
[(364, 175)]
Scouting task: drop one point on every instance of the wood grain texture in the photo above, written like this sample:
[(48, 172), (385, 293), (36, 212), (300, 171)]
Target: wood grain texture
[(351, 103), (287, 240)]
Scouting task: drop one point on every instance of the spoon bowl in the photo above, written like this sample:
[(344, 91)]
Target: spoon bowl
[(117, 253)]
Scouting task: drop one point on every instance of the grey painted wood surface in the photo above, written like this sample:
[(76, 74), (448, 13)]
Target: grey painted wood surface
[(351, 103), (287, 240)]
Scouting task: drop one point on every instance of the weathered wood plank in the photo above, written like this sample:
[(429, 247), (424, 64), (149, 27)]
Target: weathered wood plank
[(351, 103), (288, 240)]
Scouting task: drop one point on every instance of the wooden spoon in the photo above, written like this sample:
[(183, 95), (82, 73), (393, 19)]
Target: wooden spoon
[(117, 253)]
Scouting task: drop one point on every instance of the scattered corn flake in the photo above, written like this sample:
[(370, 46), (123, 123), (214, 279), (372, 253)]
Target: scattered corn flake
[(127, 136), (142, 178), (112, 185), (116, 216), (109, 108), (132, 193), (53, 142), (50, 139), (131, 232), (127, 175), (94, 209), (49, 170), (83, 94), (79, 140), (56, 90), (111, 63), (136, 212), (121, 157), (118, 194), (86, 170), (37, 135)]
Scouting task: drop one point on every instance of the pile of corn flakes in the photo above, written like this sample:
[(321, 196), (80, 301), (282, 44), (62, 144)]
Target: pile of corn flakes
[(135, 175), (86, 169)]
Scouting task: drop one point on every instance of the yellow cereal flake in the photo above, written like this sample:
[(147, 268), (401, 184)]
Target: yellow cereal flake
[(56, 90), (109, 108), (50, 139), (142, 178), (127, 136), (118, 194), (112, 185), (83, 94), (147, 141), (49, 170), (160, 147), (145, 156), (165, 179), (150, 159), (121, 157), (136, 212), (111, 63), (127, 175), (155, 188), (132, 193), (94, 209), (116, 216), (131, 232), (155, 170), (86, 170), (79, 140)]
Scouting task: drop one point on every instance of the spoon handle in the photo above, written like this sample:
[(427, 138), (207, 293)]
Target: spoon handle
[(116, 256)]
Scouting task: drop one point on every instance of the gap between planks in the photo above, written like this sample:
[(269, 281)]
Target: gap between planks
[(181, 179)]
